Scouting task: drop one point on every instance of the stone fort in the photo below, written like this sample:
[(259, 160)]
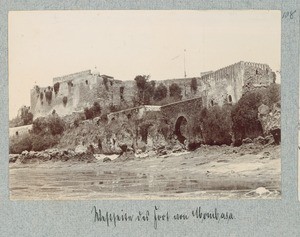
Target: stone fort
[(74, 92)]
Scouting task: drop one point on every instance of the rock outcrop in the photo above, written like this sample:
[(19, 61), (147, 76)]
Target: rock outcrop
[(52, 155), (270, 120)]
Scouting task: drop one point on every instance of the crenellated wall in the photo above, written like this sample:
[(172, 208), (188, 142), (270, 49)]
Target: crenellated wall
[(82, 89)]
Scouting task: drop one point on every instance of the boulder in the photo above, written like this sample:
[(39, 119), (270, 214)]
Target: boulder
[(80, 149), (259, 140), (106, 159), (247, 140), (24, 153), (13, 158)]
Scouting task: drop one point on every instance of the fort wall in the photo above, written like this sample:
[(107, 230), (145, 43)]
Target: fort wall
[(79, 90)]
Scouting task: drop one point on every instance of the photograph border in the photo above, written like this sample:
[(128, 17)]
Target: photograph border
[(252, 217)]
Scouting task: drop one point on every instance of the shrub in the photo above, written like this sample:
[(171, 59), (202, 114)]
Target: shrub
[(52, 125), (56, 125), (244, 117), (88, 113), (45, 134), (70, 83), (41, 143), (48, 95), (160, 92), (96, 109), (37, 89), (39, 126), (216, 125), (93, 112), (56, 87), (175, 91), (20, 143), (65, 100)]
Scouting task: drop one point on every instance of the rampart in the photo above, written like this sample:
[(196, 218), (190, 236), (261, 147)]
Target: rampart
[(74, 92)]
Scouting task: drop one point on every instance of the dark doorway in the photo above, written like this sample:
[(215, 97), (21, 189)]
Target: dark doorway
[(180, 129)]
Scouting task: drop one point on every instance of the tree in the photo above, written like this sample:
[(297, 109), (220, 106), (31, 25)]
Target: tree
[(141, 81), (245, 117), (145, 89), (26, 116), (175, 91), (160, 92), (215, 124)]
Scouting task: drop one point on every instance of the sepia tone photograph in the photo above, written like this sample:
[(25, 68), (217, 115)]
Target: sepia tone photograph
[(144, 105)]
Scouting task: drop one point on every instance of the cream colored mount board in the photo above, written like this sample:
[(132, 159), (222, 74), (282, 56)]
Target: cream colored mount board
[(178, 121)]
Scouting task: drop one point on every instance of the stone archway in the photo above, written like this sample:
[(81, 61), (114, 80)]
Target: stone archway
[(181, 129)]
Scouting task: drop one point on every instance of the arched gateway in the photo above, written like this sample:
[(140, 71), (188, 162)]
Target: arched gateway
[(181, 129)]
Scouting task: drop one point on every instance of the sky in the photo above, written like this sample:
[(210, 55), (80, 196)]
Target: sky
[(123, 44)]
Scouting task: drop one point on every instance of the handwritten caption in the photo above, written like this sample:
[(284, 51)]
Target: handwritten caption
[(288, 14), (158, 216)]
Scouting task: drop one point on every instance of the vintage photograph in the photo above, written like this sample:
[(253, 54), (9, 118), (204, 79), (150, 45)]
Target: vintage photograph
[(144, 104)]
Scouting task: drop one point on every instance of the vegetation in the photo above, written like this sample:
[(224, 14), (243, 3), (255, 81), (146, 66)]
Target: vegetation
[(223, 125), (145, 89), (175, 91), (25, 117), (51, 125), (45, 133), (48, 96), (245, 112), (37, 89), (93, 111), (65, 100), (194, 85), (56, 87), (160, 92), (20, 143), (216, 125), (70, 83)]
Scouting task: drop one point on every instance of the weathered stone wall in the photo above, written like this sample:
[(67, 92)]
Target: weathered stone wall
[(82, 89), (256, 75), (80, 93), (187, 110)]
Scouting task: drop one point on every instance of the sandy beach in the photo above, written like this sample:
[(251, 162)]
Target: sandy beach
[(211, 172)]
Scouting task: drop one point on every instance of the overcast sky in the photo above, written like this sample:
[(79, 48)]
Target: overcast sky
[(123, 44)]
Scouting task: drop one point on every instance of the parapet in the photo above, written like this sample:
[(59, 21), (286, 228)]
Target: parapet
[(71, 76)]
